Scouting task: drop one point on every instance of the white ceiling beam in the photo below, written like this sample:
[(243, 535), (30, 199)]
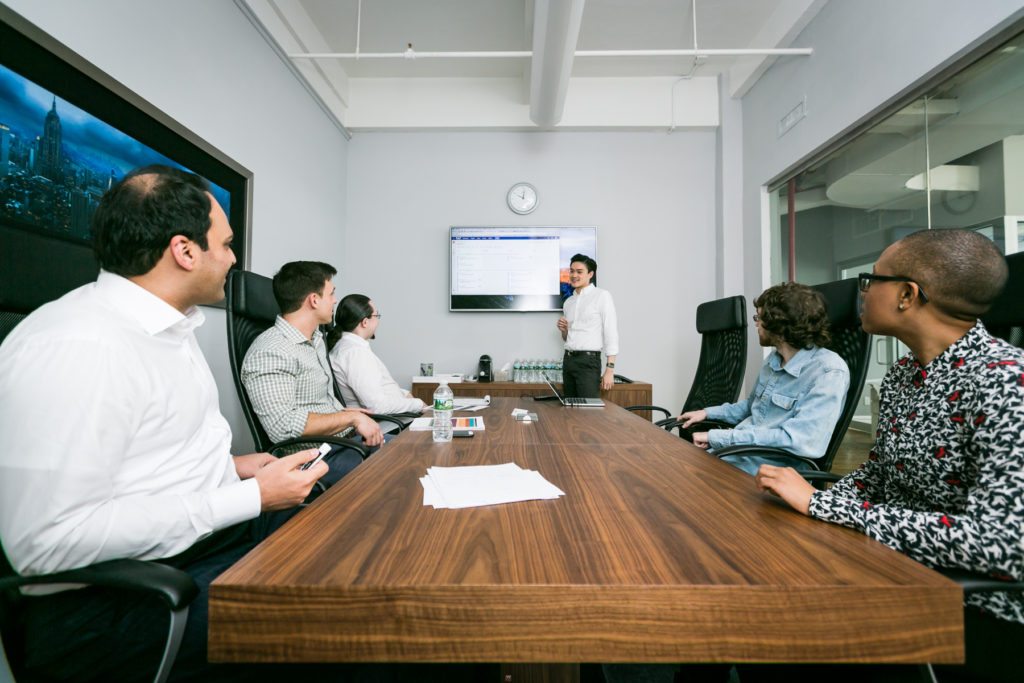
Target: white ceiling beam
[(556, 29), (494, 104), (781, 29)]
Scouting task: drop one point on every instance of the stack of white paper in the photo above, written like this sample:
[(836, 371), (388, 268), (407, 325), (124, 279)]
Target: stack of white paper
[(471, 403), (466, 487)]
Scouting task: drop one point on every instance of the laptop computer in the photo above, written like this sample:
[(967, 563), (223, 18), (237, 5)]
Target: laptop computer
[(572, 401)]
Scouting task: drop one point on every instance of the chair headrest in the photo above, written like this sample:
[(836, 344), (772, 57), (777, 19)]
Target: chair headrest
[(1007, 309), (843, 302), (252, 296), (722, 314)]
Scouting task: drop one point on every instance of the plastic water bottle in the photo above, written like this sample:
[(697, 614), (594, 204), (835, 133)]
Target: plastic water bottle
[(517, 373), (444, 401)]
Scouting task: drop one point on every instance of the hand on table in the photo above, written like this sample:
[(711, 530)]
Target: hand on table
[(787, 484)]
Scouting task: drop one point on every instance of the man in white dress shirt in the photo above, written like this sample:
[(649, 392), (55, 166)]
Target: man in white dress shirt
[(112, 444), (588, 327), (363, 378)]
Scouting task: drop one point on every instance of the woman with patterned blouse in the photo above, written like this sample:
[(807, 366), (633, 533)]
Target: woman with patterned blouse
[(944, 482)]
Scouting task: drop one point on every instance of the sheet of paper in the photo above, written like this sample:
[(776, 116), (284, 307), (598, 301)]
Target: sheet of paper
[(471, 402), (475, 486)]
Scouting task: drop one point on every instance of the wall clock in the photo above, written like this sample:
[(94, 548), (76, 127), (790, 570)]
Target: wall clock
[(522, 198)]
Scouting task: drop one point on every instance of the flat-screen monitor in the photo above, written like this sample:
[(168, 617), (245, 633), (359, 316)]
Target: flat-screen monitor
[(514, 269)]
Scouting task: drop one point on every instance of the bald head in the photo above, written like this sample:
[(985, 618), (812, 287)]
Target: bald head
[(961, 271)]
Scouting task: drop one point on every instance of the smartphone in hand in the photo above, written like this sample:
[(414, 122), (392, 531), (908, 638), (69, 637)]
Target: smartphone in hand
[(325, 448)]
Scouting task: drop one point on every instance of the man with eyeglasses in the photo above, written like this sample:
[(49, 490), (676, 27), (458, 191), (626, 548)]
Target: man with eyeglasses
[(286, 372), (944, 482), (363, 378), (799, 392)]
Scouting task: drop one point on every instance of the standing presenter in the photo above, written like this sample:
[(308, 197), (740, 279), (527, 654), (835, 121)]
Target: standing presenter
[(588, 327)]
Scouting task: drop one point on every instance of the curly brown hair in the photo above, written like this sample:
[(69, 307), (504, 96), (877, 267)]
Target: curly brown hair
[(794, 313)]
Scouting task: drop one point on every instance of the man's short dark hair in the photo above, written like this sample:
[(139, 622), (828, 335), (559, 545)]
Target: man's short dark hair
[(138, 216), (960, 271), (590, 263), (297, 280), (794, 313)]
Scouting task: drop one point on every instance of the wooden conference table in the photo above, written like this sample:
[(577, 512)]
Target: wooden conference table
[(657, 553)]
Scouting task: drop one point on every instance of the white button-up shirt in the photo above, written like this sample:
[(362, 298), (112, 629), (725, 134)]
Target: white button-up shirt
[(365, 381), (112, 444), (592, 322)]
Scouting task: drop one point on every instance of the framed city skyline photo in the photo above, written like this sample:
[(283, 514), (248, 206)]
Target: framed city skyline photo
[(68, 131)]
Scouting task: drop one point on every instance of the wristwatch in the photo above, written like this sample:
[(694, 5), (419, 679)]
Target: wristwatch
[(610, 365)]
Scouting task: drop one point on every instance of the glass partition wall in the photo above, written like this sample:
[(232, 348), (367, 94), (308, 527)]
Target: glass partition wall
[(951, 158)]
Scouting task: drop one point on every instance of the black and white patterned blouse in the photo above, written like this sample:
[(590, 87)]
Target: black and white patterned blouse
[(944, 482)]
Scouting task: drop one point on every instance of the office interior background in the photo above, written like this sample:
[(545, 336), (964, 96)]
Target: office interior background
[(685, 168)]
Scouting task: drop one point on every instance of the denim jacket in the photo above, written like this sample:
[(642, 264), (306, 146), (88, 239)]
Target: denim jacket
[(793, 407)]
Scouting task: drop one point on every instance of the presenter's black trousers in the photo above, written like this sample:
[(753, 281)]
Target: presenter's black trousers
[(581, 374)]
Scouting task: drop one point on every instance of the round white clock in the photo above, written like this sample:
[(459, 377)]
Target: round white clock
[(522, 198)]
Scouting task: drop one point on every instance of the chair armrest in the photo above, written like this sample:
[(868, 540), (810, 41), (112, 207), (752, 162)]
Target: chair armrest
[(704, 426), (774, 452), (976, 582), (317, 440), (635, 409), (394, 418), (821, 478), (175, 587)]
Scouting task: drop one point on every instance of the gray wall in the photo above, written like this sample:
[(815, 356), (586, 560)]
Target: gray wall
[(651, 196), (205, 65), (865, 53)]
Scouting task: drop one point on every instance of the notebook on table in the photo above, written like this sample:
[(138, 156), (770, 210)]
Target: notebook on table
[(573, 401)]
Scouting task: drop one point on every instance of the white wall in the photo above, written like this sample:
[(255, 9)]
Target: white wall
[(865, 53), (205, 65), (651, 196)]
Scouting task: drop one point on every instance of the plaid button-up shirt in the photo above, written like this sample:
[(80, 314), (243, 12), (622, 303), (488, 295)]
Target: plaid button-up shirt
[(288, 377)]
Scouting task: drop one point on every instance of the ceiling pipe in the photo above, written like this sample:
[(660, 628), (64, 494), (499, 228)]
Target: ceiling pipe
[(526, 54), (556, 28)]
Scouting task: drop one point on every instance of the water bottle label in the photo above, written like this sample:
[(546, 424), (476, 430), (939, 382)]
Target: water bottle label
[(444, 403)]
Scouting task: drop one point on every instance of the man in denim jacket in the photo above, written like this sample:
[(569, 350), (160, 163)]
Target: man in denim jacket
[(800, 390)]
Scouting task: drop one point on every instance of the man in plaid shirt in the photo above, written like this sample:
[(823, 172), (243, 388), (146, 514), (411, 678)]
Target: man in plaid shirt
[(286, 371)]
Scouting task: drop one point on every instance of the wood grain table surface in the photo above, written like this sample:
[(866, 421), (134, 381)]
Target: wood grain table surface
[(658, 552)]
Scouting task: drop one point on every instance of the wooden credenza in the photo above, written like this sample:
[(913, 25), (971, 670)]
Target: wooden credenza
[(635, 394)]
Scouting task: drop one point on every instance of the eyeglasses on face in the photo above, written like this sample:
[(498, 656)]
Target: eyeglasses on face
[(375, 315), (756, 318), (864, 282)]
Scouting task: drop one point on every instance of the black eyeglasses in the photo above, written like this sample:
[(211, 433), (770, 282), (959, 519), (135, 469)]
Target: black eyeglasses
[(375, 315), (756, 317), (864, 282)]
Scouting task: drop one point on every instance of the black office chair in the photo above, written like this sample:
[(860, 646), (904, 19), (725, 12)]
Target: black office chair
[(1006, 317), (722, 325), (175, 587), (853, 344), (252, 309)]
